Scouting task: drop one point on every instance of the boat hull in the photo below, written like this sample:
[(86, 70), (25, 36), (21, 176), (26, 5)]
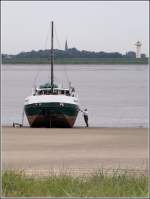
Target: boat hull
[(51, 114)]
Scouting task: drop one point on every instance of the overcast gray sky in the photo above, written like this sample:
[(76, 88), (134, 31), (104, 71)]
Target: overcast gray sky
[(88, 25)]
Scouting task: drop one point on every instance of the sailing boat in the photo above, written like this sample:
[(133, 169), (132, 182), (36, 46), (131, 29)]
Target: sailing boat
[(51, 105)]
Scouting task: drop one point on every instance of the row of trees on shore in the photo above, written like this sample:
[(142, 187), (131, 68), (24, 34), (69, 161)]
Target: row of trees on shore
[(71, 53)]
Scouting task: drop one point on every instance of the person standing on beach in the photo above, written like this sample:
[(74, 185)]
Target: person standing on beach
[(85, 115)]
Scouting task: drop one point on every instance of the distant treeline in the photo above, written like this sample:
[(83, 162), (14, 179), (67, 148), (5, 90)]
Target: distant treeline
[(73, 56)]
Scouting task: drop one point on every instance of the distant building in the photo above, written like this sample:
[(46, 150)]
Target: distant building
[(131, 54), (7, 56), (66, 46), (143, 55), (138, 49)]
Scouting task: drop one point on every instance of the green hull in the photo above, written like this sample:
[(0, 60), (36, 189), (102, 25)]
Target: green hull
[(51, 114)]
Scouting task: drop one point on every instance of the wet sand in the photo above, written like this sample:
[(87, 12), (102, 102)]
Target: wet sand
[(78, 150)]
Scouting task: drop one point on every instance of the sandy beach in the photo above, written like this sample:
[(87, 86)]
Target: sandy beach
[(79, 150)]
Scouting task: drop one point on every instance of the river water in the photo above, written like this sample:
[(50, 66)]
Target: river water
[(115, 95)]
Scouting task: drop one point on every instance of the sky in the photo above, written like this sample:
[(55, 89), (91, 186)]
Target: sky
[(110, 26)]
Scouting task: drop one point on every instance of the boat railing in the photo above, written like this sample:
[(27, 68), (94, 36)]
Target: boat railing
[(55, 92)]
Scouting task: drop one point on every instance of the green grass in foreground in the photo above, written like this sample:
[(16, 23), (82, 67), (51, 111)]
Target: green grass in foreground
[(100, 185)]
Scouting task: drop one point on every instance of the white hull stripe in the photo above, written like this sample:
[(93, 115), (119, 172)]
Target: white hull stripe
[(51, 99)]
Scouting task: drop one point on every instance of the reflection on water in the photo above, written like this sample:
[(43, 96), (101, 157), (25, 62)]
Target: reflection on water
[(115, 95)]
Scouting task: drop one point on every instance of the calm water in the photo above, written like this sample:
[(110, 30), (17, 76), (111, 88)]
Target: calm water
[(115, 96)]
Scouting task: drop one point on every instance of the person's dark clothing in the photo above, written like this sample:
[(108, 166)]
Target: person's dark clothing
[(86, 120)]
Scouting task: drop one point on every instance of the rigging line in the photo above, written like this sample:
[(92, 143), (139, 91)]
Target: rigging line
[(59, 44), (66, 73), (22, 116), (45, 47), (47, 37), (48, 48), (36, 76)]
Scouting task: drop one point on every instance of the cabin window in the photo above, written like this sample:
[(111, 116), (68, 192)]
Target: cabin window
[(40, 93), (59, 92), (47, 92), (55, 92), (67, 93)]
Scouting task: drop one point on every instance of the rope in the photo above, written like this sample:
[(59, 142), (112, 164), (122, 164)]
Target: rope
[(45, 47), (22, 116), (46, 42), (60, 46), (35, 79), (47, 37)]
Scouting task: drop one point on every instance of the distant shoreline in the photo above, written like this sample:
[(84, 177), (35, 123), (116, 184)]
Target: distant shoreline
[(76, 61)]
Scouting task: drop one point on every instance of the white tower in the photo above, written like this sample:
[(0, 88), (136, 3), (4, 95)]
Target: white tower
[(138, 49), (66, 46)]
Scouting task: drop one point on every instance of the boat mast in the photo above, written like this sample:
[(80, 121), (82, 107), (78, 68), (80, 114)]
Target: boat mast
[(52, 57)]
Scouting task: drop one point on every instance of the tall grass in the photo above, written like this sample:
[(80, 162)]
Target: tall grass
[(97, 185)]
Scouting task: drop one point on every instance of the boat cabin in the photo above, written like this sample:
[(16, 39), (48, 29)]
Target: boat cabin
[(55, 92), (46, 90)]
